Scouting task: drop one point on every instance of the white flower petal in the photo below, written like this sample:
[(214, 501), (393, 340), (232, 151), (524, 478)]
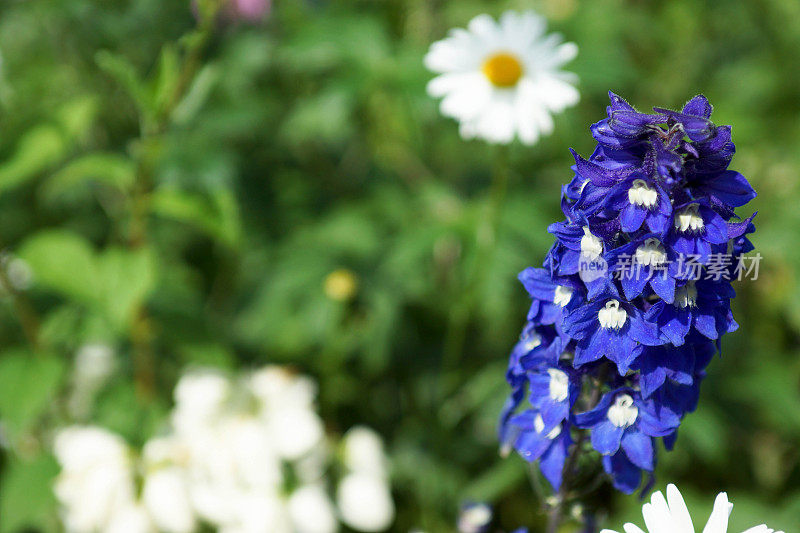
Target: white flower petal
[(718, 521), (761, 529), (682, 521), (469, 100), (485, 26), (365, 502), (632, 528), (656, 515)]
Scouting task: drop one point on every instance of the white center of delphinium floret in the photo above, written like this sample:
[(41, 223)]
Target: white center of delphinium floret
[(532, 341), (591, 246), (563, 295), (538, 425), (689, 218), (642, 195), (559, 384), (612, 316), (686, 296), (623, 413), (651, 253)]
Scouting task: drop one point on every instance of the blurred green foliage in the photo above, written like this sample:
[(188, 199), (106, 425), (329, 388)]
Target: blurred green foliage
[(202, 230)]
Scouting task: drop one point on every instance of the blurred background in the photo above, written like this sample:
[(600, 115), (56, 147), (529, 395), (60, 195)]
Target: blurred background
[(303, 203)]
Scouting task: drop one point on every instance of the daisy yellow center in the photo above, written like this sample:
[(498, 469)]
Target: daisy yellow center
[(503, 69)]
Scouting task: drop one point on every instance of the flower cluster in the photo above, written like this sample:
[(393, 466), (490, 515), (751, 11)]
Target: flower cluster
[(246, 456), (620, 357)]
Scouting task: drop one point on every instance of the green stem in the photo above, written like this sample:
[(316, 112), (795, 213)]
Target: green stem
[(556, 514), (28, 318), (486, 241), (142, 333)]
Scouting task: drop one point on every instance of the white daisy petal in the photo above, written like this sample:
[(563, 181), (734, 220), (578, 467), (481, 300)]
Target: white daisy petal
[(682, 521), (565, 53), (718, 521), (466, 103), (496, 123), (484, 26), (446, 83), (632, 528), (670, 515)]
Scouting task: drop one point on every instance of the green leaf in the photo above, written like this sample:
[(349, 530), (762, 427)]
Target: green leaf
[(197, 94), (167, 77), (119, 68), (110, 169), (217, 216), (28, 502), (115, 283), (39, 149), (127, 279), (28, 384), (64, 262), (77, 116)]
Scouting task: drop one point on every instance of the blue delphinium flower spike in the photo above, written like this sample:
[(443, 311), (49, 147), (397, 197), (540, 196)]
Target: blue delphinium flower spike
[(634, 295)]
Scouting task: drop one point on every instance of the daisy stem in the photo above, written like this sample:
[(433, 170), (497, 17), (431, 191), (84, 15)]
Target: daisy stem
[(485, 241)]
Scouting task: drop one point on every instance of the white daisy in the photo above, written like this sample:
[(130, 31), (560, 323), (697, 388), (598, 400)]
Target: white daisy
[(670, 515), (501, 78)]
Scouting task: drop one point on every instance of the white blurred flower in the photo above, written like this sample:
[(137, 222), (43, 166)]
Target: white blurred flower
[(363, 451), (94, 364), (18, 272), (311, 466), (165, 450), (474, 518), (95, 482), (80, 447), (257, 512), (670, 515), (249, 448), (166, 497), (294, 431), (199, 398), (276, 388), (130, 519), (364, 502), (223, 463), (502, 79), (311, 510)]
